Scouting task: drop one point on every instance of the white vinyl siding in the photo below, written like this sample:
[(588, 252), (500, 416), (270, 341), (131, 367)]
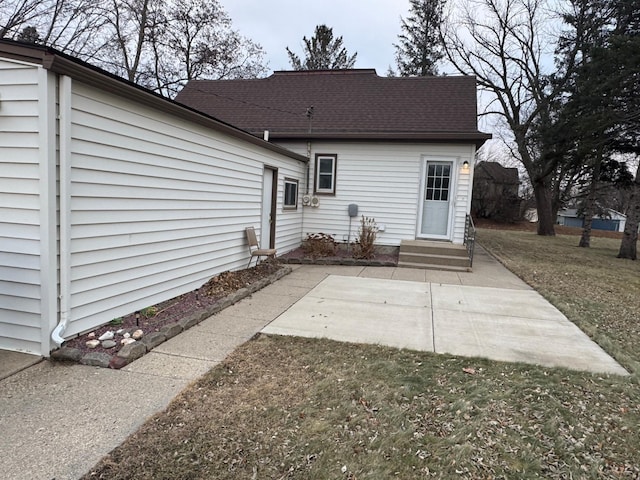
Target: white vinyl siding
[(21, 140), (383, 179), (158, 205)]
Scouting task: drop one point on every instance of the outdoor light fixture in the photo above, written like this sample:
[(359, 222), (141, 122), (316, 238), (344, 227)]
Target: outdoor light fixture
[(465, 165)]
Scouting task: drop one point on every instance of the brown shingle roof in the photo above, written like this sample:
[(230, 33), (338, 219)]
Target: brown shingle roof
[(497, 173), (346, 104)]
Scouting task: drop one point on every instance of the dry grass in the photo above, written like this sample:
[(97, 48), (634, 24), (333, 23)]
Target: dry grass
[(292, 408), (594, 289)]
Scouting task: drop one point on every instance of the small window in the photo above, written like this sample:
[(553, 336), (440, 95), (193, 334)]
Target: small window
[(290, 194), (325, 174)]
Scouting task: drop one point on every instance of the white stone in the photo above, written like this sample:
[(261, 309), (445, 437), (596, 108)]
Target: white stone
[(126, 335), (127, 341), (120, 331), (93, 343), (137, 334), (108, 335), (91, 335)]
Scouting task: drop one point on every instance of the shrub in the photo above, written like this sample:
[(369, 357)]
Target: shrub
[(364, 244), (319, 245)]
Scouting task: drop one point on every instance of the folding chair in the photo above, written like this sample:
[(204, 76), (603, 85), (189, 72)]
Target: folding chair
[(254, 247)]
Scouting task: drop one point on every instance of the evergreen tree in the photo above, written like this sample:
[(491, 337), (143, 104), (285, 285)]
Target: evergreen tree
[(29, 35), (420, 45), (322, 52), (597, 116)]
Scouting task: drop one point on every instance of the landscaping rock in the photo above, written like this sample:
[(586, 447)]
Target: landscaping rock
[(91, 335), (96, 359), (137, 335), (127, 341), (153, 339), (225, 302), (171, 330), (189, 321), (108, 335), (92, 343), (67, 354), (108, 344), (213, 309), (132, 351), (240, 294), (118, 362)]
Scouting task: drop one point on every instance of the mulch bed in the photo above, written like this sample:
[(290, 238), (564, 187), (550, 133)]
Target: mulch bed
[(152, 319), (205, 299), (339, 257)]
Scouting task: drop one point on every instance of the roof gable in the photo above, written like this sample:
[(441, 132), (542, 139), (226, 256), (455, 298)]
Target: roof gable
[(346, 104)]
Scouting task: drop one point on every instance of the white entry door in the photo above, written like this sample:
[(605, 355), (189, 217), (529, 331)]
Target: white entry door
[(436, 199), (268, 221)]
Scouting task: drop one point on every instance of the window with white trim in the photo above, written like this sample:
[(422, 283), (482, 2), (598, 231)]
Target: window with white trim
[(290, 194), (325, 174)]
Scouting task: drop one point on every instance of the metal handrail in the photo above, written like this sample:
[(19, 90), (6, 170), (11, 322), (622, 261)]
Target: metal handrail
[(470, 238)]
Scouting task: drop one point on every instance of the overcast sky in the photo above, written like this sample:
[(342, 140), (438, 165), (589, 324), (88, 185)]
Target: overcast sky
[(368, 27)]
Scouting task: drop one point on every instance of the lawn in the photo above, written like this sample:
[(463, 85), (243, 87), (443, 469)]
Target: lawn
[(285, 408), (597, 291)]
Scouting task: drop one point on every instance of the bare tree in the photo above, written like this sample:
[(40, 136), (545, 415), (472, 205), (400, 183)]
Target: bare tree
[(15, 15), (157, 44), (503, 43), (69, 25), (201, 43)]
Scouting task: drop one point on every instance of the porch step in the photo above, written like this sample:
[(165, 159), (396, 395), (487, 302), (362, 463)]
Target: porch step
[(427, 266), (433, 255)]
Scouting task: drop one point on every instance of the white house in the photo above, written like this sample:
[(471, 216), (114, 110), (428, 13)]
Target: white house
[(402, 149), (113, 198)]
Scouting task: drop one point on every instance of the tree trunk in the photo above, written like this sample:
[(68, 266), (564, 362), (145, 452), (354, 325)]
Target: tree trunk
[(544, 204), (628, 246), (585, 238)]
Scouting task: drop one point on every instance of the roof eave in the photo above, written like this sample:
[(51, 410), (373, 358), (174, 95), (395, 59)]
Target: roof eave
[(478, 138), (63, 64)]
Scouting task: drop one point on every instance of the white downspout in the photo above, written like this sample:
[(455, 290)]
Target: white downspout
[(64, 122)]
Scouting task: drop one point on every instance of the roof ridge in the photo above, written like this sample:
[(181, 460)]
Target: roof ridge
[(340, 71)]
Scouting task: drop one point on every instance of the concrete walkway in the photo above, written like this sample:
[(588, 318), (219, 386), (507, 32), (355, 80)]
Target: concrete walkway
[(58, 420)]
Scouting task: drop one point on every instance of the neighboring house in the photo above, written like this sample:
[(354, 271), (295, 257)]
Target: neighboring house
[(402, 149), (113, 198), (613, 221), (495, 192)]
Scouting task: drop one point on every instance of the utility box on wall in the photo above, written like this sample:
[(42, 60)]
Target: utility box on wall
[(353, 210)]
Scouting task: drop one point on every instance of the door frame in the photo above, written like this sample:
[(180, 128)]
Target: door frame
[(272, 207), (453, 187)]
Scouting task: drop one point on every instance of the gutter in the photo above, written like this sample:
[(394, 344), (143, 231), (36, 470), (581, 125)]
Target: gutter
[(64, 121)]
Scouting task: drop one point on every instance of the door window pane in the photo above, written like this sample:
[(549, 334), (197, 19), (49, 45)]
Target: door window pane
[(438, 182)]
